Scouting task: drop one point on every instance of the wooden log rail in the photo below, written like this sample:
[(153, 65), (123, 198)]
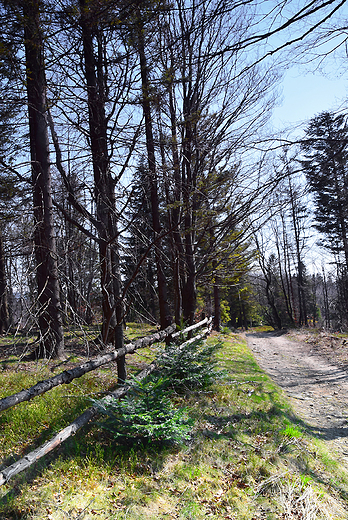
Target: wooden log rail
[(89, 414), (203, 333), (64, 378), (7, 473), (207, 321)]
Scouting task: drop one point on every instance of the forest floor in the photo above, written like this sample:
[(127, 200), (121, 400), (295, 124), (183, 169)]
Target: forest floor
[(249, 456), (312, 369)]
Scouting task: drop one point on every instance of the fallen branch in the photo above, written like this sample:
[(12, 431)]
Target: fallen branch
[(24, 463), (68, 375), (89, 414), (193, 327)]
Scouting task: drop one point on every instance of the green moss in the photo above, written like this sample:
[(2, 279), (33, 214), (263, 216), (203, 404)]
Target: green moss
[(247, 452)]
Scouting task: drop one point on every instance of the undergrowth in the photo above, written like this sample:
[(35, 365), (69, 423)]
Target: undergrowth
[(146, 415), (247, 458)]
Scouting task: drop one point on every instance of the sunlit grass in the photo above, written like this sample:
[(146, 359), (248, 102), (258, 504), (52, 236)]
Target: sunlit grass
[(249, 456), (262, 328), (138, 330)]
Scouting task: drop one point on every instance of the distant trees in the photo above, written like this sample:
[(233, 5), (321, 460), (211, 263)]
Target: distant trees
[(325, 148), (148, 112), (291, 294), (282, 245)]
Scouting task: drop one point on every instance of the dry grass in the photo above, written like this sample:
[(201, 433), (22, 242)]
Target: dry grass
[(249, 457)]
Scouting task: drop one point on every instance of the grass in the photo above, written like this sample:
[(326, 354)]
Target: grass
[(249, 457)]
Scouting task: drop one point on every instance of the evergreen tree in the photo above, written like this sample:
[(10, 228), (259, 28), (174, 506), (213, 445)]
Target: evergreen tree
[(325, 165)]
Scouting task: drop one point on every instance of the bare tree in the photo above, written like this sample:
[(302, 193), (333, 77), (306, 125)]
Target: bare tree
[(165, 316), (50, 321)]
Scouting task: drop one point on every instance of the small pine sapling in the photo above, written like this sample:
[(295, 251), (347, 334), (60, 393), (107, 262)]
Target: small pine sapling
[(190, 366), (145, 415)]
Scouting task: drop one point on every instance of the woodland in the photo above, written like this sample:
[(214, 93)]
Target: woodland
[(141, 180), (145, 198)]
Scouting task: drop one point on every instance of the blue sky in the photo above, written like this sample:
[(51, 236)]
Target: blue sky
[(307, 94)]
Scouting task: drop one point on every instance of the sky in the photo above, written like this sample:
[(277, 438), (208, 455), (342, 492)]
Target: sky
[(306, 94)]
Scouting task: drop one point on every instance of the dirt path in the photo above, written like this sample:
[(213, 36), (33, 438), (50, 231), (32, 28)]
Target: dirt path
[(317, 388)]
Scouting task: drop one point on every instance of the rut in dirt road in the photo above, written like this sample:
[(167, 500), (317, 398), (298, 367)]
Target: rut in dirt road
[(318, 390)]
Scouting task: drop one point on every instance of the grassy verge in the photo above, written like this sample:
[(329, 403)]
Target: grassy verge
[(249, 458)]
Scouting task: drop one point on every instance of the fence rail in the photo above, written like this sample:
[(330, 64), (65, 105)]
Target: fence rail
[(64, 378), (43, 386)]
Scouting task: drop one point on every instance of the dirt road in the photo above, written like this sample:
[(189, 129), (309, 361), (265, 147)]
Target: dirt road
[(317, 388)]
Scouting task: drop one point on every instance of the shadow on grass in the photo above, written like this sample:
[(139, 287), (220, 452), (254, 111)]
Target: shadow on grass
[(89, 448), (326, 434), (229, 426), (89, 445), (99, 449), (3, 364), (17, 349), (23, 343)]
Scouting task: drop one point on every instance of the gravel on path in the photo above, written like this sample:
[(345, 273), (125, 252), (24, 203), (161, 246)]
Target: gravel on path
[(317, 388)]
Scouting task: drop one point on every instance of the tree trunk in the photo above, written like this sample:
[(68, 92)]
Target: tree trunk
[(300, 266), (165, 316), (189, 290), (326, 302), (270, 299), (216, 292), (50, 320), (179, 271), (190, 160), (284, 283), (104, 190), (4, 314)]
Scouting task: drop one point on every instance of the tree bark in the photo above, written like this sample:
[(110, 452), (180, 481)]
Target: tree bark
[(104, 190), (50, 319), (270, 299), (4, 314), (179, 271), (190, 161), (165, 316), (189, 185)]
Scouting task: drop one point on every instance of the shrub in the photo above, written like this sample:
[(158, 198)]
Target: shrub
[(145, 415), (190, 366)]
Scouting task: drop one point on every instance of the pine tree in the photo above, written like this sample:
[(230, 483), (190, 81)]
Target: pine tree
[(326, 168), (325, 165)]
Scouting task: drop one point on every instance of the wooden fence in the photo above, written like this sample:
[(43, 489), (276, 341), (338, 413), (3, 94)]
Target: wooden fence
[(68, 375)]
